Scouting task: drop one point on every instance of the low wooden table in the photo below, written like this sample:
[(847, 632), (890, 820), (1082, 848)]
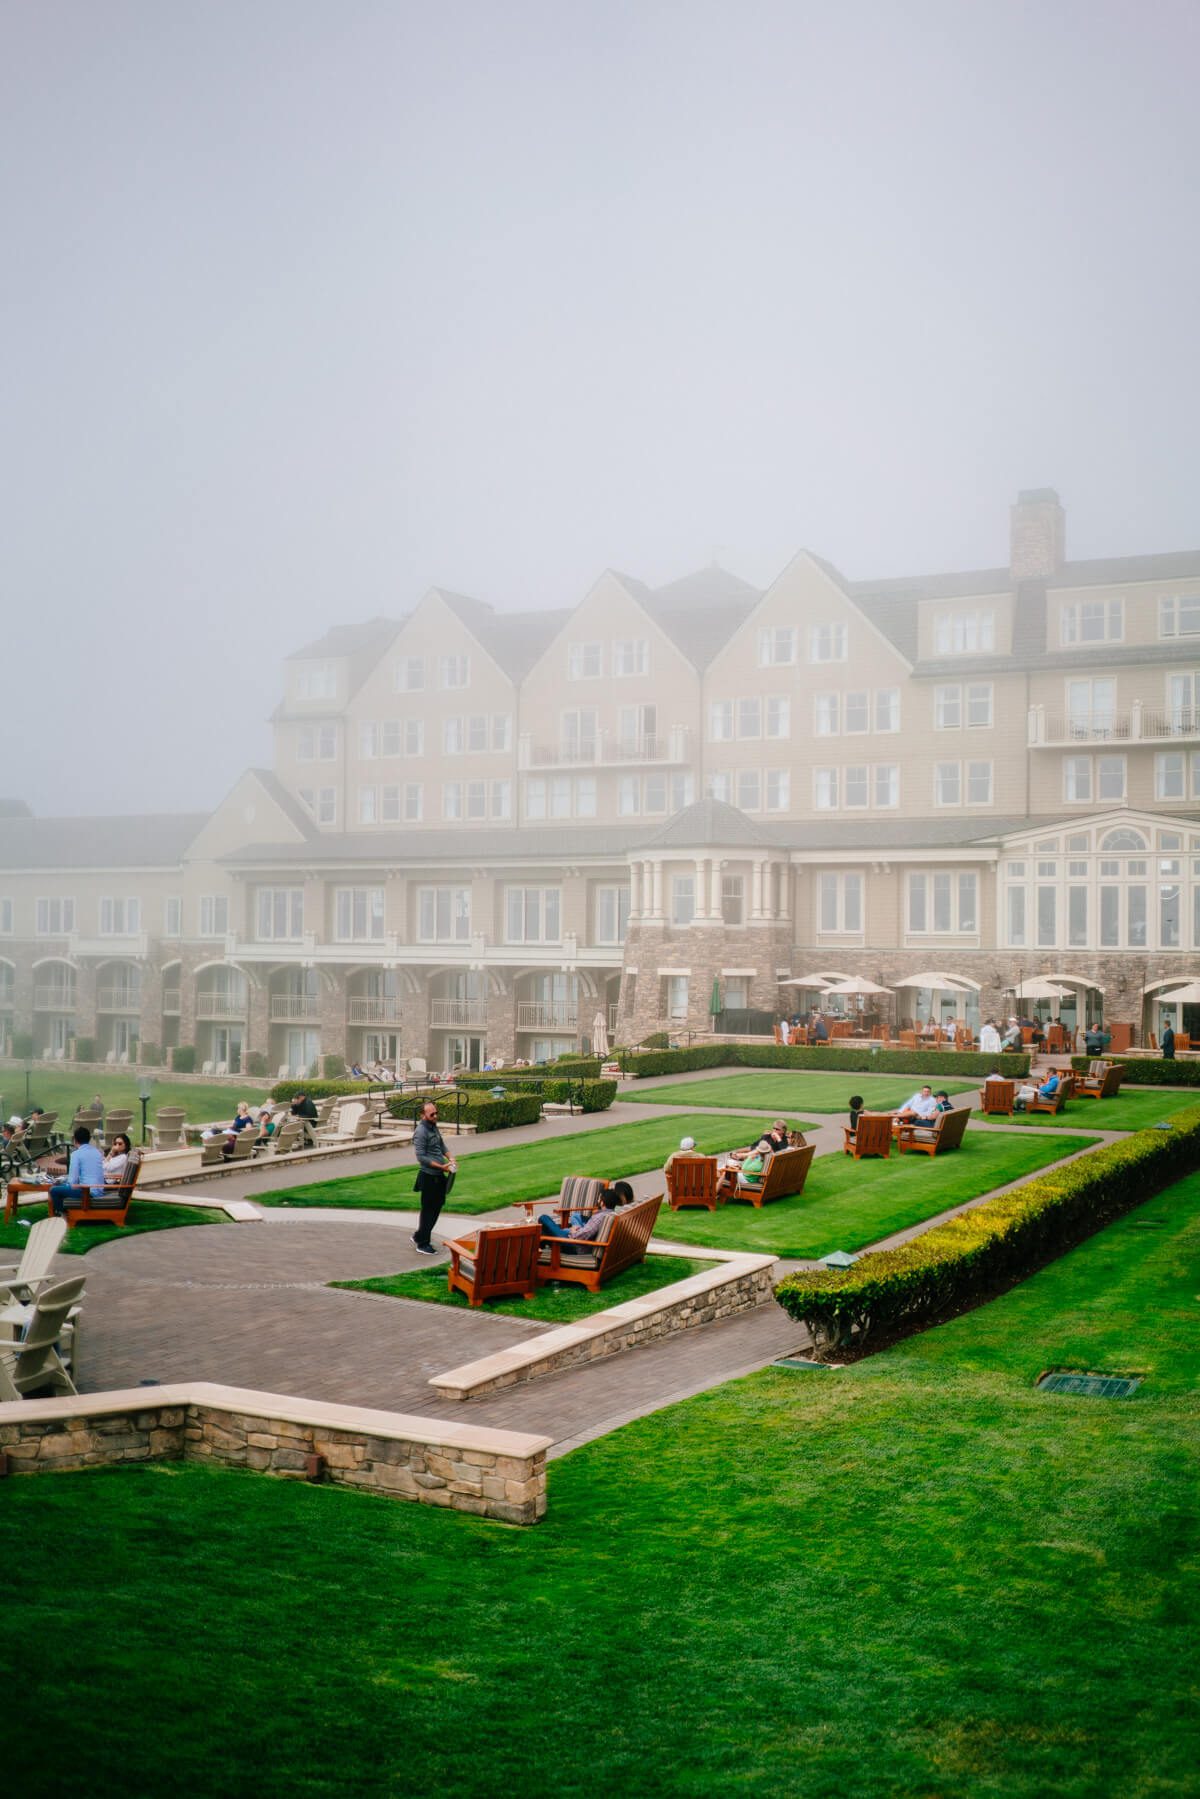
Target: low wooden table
[(14, 1192)]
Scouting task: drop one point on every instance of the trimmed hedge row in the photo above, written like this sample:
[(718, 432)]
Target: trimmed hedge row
[(590, 1096), (1147, 1071), (840, 1061), (479, 1109), (318, 1089), (896, 1291)]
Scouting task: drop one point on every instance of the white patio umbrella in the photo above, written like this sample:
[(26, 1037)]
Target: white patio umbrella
[(599, 1034), (816, 983), (1037, 987), (936, 981), (858, 986), (1180, 996)]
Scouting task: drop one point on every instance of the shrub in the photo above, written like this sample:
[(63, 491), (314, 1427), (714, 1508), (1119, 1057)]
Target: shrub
[(85, 1049), (22, 1045), (287, 1090), (656, 1040), (582, 1067), (183, 1058), (149, 1055), (256, 1061), (333, 1067), (965, 1260), (1148, 1071), (479, 1109), (676, 1061), (845, 1061)]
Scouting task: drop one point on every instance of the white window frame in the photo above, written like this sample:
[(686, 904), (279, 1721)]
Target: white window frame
[(585, 661), (443, 914), (776, 646), (828, 642), (1074, 616), (630, 656), (358, 914)]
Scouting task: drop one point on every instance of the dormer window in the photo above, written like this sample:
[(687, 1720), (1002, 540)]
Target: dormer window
[(316, 681), (1179, 615), (970, 633), (1092, 621)]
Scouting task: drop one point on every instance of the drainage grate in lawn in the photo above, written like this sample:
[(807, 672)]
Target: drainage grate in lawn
[(1089, 1386), (799, 1361)]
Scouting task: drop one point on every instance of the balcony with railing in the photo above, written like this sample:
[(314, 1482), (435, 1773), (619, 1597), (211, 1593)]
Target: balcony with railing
[(607, 749), (118, 999), (230, 1006), (536, 1015), (363, 1009), (1141, 724), (295, 1008), (458, 1014), (54, 999)]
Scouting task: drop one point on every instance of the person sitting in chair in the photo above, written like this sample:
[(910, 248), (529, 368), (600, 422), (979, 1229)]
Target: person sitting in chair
[(942, 1100), (117, 1160), (612, 1198), (773, 1140), (920, 1109), (303, 1109), (85, 1174), (1047, 1090)]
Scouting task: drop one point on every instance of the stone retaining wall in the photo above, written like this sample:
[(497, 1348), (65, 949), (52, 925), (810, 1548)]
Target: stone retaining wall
[(489, 1473), (735, 1283)]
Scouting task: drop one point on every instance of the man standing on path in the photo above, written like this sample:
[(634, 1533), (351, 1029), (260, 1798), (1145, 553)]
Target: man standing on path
[(434, 1176)]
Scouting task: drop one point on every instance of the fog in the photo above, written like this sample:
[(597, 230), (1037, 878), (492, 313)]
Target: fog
[(307, 307)]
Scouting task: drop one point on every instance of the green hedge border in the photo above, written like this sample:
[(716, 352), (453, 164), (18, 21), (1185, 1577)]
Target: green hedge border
[(841, 1061), (893, 1292), (1147, 1071), (484, 1113)]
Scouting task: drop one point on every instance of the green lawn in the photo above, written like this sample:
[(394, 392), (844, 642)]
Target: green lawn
[(767, 1093), (916, 1577), (496, 1177), (1129, 1110), (847, 1204), (57, 1089), (143, 1215), (556, 1305)]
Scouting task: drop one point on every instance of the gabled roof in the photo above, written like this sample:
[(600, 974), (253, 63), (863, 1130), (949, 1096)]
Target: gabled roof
[(711, 824), (699, 612), (287, 802), (149, 840)]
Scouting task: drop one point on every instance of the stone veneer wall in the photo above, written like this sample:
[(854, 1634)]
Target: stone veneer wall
[(737, 1284), (488, 1473)]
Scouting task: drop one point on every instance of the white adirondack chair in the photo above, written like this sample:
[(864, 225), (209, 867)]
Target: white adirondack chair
[(21, 1280), (34, 1364)]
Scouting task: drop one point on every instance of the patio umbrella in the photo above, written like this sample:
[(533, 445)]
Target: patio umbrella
[(1181, 996), (714, 998), (936, 981), (600, 1034), (858, 986), (1038, 987), (816, 983)]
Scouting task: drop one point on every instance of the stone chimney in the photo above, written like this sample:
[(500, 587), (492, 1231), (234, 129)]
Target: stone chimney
[(1037, 535)]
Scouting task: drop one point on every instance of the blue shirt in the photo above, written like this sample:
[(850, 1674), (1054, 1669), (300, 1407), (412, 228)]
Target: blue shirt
[(86, 1168)]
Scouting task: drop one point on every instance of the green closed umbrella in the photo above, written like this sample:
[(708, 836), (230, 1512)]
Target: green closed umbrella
[(714, 998)]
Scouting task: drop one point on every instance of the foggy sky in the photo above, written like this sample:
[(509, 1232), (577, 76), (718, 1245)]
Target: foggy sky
[(307, 307)]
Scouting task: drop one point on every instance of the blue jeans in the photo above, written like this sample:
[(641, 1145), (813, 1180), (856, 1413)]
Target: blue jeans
[(61, 1192), (551, 1227)]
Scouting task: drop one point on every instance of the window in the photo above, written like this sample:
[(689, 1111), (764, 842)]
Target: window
[(858, 712), (461, 736), (839, 903), (502, 730), (531, 914), (452, 799), (1047, 917), (1077, 779), (964, 633), (825, 789), (979, 705), (477, 799), (947, 708), (637, 729), (737, 993), (654, 793), (358, 914), (316, 743), (501, 799), (1091, 706), (410, 674), (776, 645), (943, 902), (779, 716), (779, 789), (55, 917), (720, 786), (887, 784), (172, 918), (414, 802), (1123, 839), (749, 718), (454, 671), (316, 681), (827, 643), (947, 784), (1092, 621), (887, 708), (732, 904), (389, 804), (120, 917), (279, 914), (443, 914), (675, 997), (827, 714), (453, 736), (390, 739), (578, 731), (414, 737), (585, 796), (368, 742), (1169, 916), (1110, 777), (979, 783), (585, 661), (1015, 916), (630, 656), (683, 790), (214, 915), (1169, 775), (720, 721), (1077, 917), (1179, 615), (629, 796), (749, 789), (368, 805), (683, 899), (855, 787), (535, 798), (612, 914)]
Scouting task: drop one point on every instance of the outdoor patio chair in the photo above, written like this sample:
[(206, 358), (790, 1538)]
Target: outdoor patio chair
[(33, 1364), (783, 1176), (167, 1130), (999, 1098), (943, 1132), (1101, 1085), (117, 1124), (21, 1280), (692, 1181), (495, 1261), (622, 1243), (872, 1136), (111, 1206)]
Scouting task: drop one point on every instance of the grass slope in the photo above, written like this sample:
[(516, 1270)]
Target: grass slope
[(59, 1090), (809, 1092), (489, 1178), (914, 1577), (143, 1215), (847, 1204), (555, 1305), (1127, 1111)]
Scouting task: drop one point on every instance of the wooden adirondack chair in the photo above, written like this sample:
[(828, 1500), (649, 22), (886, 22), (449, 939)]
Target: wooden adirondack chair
[(872, 1136), (1096, 1085), (33, 1364), (945, 1132), (110, 1206), (497, 1260), (783, 1177), (999, 1097), (593, 1263), (692, 1181)]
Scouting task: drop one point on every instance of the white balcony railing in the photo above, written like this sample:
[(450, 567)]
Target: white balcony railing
[(117, 999), (295, 1008), (1141, 724), (363, 1010), (458, 1014), (533, 1015), (606, 749), (54, 999), (220, 1005)]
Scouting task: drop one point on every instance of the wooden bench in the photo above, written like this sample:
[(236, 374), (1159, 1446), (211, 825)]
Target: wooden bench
[(871, 1136), (783, 1176), (943, 1132), (999, 1097), (1102, 1086), (1052, 1102), (110, 1206), (496, 1261), (591, 1264)]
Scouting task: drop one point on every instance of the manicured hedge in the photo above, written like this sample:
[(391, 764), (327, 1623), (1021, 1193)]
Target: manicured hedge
[(965, 1260), (589, 1096), (284, 1090), (485, 1113), (843, 1061), (1147, 1071)]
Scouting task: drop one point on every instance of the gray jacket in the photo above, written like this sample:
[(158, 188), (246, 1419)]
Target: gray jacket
[(429, 1146)]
